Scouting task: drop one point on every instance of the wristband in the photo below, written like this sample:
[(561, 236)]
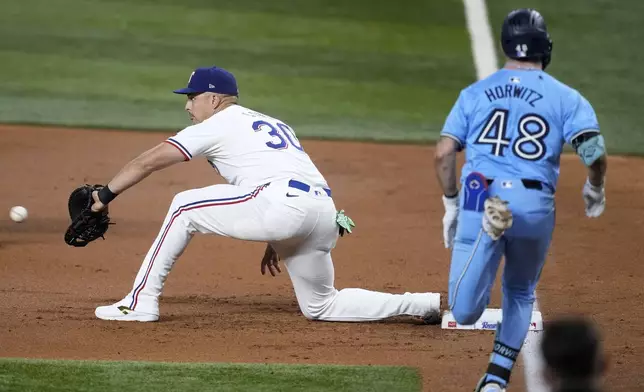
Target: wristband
[(105, 195)]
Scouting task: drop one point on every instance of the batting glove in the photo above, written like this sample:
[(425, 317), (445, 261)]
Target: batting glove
[(450, 220), (594, 199)]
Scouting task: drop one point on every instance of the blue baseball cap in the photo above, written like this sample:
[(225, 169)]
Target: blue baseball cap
[(213, 79)]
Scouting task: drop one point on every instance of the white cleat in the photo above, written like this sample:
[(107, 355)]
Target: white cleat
[(492, 387), (434, 315), (122, 312)]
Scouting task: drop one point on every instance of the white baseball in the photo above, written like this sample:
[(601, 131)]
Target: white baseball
[(18, 214)]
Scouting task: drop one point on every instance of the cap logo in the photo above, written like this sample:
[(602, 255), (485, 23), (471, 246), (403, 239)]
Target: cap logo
[(522, 50), (191, 75), (210, 85)]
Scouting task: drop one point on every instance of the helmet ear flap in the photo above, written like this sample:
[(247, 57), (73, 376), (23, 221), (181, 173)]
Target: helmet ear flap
[(547, 56)]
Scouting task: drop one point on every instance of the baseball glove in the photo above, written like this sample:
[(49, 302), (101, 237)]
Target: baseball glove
[(86, 225)]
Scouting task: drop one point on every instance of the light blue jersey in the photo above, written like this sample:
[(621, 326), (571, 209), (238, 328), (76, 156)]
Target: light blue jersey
[(513, 126), (515, 123)]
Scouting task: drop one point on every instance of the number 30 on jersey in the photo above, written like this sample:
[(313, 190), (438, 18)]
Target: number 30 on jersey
[(529, 145), (280, 140)]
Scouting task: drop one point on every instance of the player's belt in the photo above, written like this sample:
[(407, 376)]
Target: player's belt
[(528, 184), (305, 187)]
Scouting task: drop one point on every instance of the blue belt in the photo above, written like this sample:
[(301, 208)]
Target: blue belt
[(305, 187)]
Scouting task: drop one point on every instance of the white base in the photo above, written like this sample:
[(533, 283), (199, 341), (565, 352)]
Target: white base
[(488, 321)]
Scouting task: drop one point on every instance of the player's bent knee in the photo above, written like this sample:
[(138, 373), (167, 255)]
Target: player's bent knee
[(311, 313), (314, 311), (182, 198), (467, 305), (467, 315)]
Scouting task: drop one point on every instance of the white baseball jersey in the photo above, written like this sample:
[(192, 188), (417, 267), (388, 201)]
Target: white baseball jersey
[(275, 194), (248, 148)]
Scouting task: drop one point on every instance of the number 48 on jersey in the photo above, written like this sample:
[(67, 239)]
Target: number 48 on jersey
[(529, 145)]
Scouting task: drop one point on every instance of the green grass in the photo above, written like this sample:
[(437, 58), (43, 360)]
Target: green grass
[(333, 68), (594, 52), (354, 69), (99, 376)]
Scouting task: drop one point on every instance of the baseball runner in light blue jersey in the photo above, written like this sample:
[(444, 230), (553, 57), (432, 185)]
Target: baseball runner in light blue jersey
[(513, 126)]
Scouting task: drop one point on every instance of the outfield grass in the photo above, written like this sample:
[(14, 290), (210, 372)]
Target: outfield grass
[(103, 376), (352, 69), (331, 68), (593, 51)]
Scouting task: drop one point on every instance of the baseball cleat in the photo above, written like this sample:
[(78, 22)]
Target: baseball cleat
[(434, 315), (489, 386), (121, 312), (492, 387)]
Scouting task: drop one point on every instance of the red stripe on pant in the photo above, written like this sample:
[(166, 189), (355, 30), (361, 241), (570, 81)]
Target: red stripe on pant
[(135, 296)]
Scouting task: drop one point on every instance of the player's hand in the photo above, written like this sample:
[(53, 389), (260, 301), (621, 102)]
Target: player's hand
[(450, 220), (271, 260), (97, 206), (594, 199)]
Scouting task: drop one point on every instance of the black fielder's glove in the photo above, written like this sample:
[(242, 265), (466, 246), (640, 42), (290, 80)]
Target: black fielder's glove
[(86, 225)]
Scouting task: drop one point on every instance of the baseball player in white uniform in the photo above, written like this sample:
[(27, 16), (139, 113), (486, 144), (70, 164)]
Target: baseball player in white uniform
[(275, 194)]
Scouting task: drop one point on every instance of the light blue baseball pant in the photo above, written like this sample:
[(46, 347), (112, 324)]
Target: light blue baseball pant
[(476, 258)]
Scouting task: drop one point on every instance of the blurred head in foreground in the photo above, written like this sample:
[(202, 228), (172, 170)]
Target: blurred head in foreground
[(573, 354)]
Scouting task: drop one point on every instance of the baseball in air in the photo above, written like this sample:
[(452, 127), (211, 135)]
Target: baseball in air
[(18, 214)]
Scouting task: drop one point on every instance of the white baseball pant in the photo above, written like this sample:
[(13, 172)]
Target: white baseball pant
[(302, 229)]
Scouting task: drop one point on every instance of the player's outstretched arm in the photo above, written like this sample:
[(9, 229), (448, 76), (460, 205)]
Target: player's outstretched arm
[(445, 165), (156, 158), (593, 192), (591, 150), (597, 171)]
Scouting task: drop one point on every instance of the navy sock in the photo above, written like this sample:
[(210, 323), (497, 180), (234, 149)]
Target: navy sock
[(501, 363)]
